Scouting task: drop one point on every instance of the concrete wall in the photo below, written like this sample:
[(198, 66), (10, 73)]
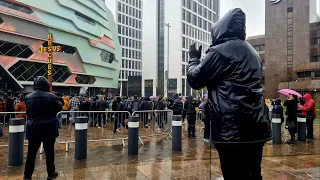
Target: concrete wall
[(275, 46)]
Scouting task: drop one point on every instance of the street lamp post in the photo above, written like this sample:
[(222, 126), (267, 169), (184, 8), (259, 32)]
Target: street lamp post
[(167, 75)]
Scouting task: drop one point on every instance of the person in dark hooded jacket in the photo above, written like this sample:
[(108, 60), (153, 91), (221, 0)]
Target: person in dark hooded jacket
[(277, 109), (177, 106), (144, 116), (232, 73), (190, 108), (42, 108)]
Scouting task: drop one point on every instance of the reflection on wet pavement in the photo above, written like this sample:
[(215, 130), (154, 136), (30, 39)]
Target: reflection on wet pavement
[(156, 161)]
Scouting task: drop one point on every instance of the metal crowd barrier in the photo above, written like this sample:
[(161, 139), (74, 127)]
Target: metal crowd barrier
[(154, 123), (112, 126)]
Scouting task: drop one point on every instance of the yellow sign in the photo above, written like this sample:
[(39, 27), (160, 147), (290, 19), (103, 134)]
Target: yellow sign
[(50, 49)]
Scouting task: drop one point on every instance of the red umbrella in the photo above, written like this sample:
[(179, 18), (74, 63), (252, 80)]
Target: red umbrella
[(289, 91)]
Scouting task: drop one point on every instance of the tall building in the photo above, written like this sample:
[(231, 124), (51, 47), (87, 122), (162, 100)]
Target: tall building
[(128, 17), (170, 27), (290, 49), (85, 30)]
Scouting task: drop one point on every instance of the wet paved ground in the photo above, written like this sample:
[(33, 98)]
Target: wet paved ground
[(109, 160)]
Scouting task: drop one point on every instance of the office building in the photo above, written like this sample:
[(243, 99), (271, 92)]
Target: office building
[(85, 30), (290, 48), (128, 16), (170, 27)]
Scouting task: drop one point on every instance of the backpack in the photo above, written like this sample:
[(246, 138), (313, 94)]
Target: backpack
[(151, 105), (191, 109), (160, 105), (93, 106), (135, 106), (128, 107)]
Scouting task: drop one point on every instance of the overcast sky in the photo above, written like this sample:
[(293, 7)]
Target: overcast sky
[(254, 10)]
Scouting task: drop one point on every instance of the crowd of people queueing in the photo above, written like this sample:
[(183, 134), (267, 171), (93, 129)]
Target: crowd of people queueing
[(290, 110), (187, 107)]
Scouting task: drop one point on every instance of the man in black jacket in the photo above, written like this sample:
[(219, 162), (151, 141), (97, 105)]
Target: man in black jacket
[(101, 106), (190, 108), (177, 106), (42, 108), (232, 73)]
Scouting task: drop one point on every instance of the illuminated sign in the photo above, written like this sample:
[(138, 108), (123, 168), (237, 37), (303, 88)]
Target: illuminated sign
[(275, 1), (50, 49)]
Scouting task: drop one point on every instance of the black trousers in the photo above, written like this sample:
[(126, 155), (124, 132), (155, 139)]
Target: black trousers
[(191, 124), (206, 134), (240, 161), (160, 119), (33, 148), (101, 116), (310, 128)]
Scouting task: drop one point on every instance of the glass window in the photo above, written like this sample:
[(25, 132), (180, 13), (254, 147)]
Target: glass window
[(183, 14), (27, 71), (16, 7), (183, 56), (119, 6), (194, 20), (304, 74), (183, 70), (315, 58), (107, 56), (194, 7), (183, 42), (85, 18)]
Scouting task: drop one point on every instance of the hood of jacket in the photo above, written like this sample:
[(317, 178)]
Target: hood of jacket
[(118, 99), (277, 102), (307, 97), (160, 98), (41, 84), (189, 99), (231, 26), (175, 96)]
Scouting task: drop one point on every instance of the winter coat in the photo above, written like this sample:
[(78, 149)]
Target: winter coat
[(20, 107), (205, 111), (277, 109), (309, 107), (232, 73), (192, 109), (42, 109), (85, 106), (102, 105), (144, 105), (161, 104), (292, 106), (177, 106), (65, 106)]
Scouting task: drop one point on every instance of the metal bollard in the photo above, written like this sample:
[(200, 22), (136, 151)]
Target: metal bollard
[(176, 133), (276, 129), (133, 135), (16, 141), (302, 121), (81, 126)]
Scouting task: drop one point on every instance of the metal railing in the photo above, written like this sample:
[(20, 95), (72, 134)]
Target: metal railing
[(154, 123), (103, 126)]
